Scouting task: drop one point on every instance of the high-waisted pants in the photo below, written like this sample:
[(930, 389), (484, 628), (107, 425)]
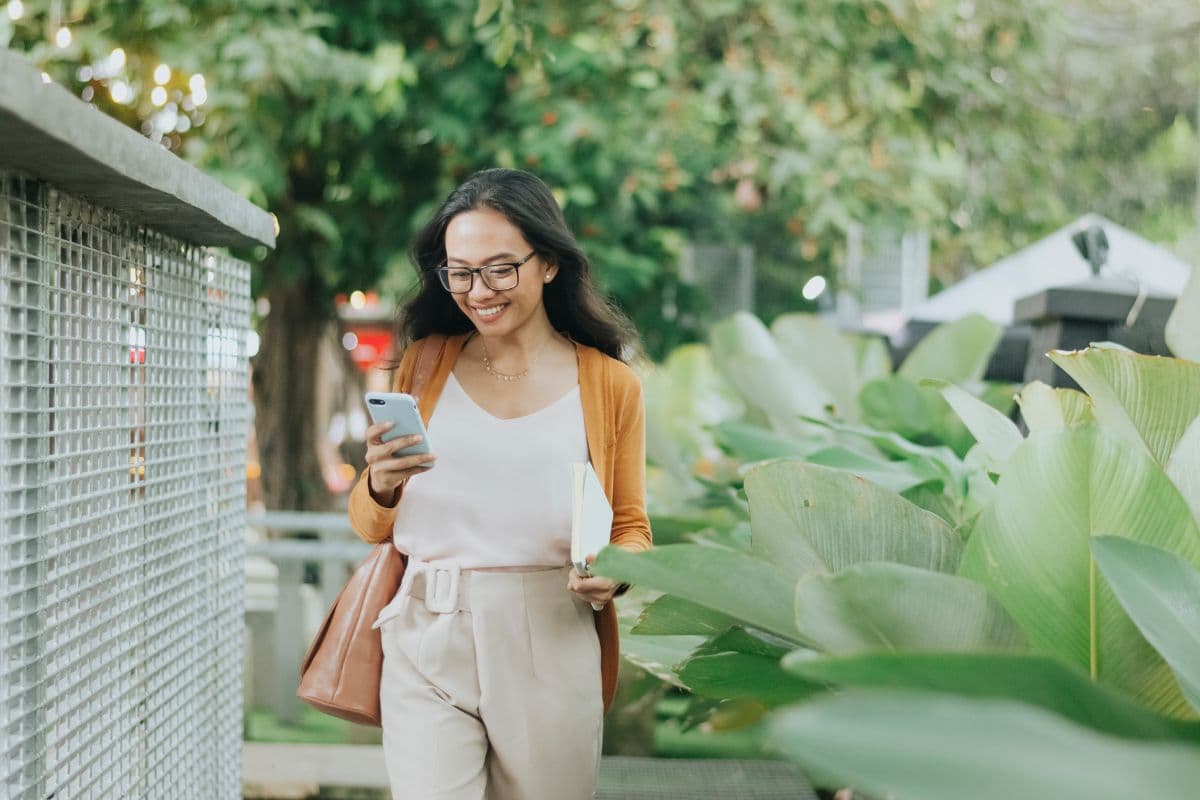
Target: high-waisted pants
[(490, 687)]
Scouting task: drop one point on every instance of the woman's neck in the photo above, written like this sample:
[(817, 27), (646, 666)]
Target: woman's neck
[(522, 344)]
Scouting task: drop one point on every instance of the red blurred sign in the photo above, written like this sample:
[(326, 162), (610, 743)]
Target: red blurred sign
[(374, 345)]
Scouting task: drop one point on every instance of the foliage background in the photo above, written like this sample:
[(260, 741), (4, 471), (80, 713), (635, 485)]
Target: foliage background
[(657, 121)]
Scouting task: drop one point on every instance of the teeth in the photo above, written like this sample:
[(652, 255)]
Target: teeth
[(488, 312)]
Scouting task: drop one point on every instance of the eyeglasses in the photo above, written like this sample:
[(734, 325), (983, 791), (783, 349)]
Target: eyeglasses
[(497, 277)]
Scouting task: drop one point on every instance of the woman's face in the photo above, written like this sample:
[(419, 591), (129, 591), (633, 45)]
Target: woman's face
[(485, 237)]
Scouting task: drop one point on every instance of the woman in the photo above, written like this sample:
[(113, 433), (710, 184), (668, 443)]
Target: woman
[(497, 669)]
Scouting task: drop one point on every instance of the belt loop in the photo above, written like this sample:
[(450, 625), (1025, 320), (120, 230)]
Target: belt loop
[(441, 588)]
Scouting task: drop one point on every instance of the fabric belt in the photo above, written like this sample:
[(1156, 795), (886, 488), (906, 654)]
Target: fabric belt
[(442, 588)]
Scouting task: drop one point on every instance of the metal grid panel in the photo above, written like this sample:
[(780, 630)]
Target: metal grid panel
[(123, 424)]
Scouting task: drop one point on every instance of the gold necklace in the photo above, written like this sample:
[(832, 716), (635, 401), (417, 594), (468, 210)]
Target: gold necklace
[(504, 376)]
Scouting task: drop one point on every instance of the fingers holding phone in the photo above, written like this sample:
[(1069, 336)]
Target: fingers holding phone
[(397, 443)]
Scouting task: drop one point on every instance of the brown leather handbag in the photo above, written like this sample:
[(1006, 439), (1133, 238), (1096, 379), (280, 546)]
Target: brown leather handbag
[(341, 671)]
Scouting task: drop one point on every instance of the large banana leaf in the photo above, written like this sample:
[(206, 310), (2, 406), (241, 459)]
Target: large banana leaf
[(956, 352), (1183, 328), (896, 607), (1038, 680), (996, 433), (661, 656), (898, 476), (871, 356), (1150, 399), (1184, 467), (806, 518), (749, 442), (911, 745), (684, 396), (750, 589), (819, 349), (1032, 550), (673, 616), (894, 403), (1045, 408), (751, 359), (1161, 593), (734, 675)]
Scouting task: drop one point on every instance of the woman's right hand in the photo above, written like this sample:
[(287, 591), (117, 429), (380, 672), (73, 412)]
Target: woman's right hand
[(385, 472)]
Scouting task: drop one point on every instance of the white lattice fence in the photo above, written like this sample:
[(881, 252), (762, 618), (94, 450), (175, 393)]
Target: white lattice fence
[(123, 421)]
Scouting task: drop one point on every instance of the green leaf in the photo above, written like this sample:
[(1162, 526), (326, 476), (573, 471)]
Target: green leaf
[(1184, 467), (1047, 409), (871, 356), (661, 656), (750, 357), (1037, 680), (747, 640), (741, 675), (1032, 551), (669, 615), (995, 432), (506, 43), (750, 442), (1161, 594), (806, 518), (956, 352), (898, 476), (1183, 328), (1150, 399), (911, 745), (896, 404), (897, 607), (819, 349), (484, 12), (318, 221), (746, 588)]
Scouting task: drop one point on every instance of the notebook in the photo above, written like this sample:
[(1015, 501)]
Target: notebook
[(591, 520)]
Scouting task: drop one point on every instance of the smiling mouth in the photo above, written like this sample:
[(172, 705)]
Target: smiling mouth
[(490, 311)]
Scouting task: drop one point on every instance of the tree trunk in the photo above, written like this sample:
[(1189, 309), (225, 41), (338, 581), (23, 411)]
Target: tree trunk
[(285, 384)]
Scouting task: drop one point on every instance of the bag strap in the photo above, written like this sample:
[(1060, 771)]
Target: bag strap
[(427, 359)]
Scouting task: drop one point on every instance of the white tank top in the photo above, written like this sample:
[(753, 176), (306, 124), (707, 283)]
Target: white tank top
[(499, 494)]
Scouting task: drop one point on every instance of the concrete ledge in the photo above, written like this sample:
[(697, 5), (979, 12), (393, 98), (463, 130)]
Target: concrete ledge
[(303, 771), (49, 133)]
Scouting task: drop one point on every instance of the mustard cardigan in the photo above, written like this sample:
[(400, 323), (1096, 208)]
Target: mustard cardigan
[(614, 420)]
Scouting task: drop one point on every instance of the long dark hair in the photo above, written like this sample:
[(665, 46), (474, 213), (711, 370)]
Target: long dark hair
[(572, 302)]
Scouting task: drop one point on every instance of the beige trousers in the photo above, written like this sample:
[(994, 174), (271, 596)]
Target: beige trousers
[(490, 688)]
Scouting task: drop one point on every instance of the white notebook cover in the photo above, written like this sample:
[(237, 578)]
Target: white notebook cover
[(591, 524)]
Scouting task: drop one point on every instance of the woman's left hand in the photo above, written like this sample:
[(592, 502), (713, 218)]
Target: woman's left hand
[(595, 590)]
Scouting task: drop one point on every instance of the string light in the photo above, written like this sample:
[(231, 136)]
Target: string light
[(158, 96), (63, 37), (117, 58), (162, 74), (16, 10)]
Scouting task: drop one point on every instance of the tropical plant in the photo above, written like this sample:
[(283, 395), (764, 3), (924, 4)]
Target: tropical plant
[(1048, 650)]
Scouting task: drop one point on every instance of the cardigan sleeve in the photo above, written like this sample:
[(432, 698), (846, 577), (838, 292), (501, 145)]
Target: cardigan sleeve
[(631, 525), (371, 521)]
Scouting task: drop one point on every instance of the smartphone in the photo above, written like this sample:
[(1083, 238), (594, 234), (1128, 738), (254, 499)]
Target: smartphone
[(401, 409)]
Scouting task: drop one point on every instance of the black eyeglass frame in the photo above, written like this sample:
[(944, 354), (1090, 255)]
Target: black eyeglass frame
[(443, 273)]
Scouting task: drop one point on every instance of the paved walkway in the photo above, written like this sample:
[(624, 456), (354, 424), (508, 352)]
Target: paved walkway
[(300, 771)]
